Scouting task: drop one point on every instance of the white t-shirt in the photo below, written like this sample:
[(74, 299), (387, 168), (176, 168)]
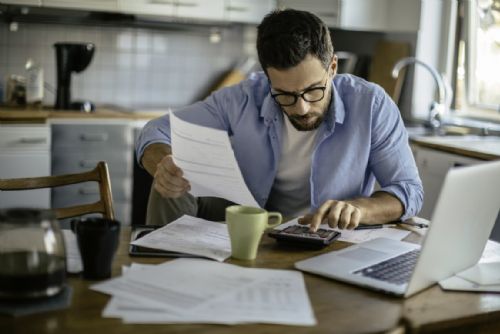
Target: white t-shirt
[(291, 191)]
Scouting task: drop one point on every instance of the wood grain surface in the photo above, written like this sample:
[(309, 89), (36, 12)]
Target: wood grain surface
[(338, 307)]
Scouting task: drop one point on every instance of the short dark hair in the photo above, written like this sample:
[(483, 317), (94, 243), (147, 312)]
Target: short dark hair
[(286, 37)]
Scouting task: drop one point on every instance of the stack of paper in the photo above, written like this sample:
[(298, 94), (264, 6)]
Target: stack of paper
[(190, 235), (201, 291)]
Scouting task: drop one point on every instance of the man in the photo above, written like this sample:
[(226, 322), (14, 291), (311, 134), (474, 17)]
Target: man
[(308, 141)]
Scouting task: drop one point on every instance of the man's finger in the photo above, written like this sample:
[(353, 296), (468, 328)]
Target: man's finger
[(345, 216), (355, 219), (334, 214), (305, 220), (319, 216)]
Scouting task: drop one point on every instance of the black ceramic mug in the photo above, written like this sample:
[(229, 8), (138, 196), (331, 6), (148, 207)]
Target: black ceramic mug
[(98, 240)]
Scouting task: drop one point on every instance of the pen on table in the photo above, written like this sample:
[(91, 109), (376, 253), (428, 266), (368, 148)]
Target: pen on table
[(373, 226)]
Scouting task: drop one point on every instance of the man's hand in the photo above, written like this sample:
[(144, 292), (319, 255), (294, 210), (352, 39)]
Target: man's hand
[(381, 207), (341, 214), (168, 180)]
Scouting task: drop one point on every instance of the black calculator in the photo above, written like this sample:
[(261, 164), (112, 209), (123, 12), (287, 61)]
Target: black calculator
[(300, 235)]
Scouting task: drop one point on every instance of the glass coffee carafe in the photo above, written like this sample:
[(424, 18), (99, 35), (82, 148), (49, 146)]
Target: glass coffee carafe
[(32, 254)]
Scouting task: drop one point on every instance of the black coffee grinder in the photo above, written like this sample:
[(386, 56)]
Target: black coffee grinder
[(71, 57)]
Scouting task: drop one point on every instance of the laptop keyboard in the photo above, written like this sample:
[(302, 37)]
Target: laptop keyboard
[(396, 270)]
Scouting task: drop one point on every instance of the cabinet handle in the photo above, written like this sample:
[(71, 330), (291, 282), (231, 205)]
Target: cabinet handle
[(160, 2), (237, 8), (94, 136), (34, 140), (187, 4)]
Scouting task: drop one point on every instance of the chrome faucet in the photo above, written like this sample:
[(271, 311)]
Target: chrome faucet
[(437, 108)]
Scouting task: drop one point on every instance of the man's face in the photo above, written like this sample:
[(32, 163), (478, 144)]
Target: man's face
[(307, 78)]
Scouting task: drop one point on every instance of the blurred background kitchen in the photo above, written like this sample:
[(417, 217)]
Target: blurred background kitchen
[(153, 55)]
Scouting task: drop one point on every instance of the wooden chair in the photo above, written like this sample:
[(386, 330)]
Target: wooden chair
[(99, 174)]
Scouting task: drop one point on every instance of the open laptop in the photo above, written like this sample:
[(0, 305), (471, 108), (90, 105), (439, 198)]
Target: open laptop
[(462, 221)]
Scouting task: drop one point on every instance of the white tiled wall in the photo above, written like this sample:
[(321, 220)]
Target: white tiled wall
[(132, 67)]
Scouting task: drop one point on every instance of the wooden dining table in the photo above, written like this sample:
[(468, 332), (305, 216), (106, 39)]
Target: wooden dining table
[(338, 307)]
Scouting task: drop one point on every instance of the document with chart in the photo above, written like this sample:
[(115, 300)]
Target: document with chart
[(207, 159), (202, 291)]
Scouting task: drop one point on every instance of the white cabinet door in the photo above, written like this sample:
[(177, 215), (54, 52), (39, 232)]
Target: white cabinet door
[(147, 7), (433, 166), (327, 10), (23, 2), (248, 11), (24, 152), (380, 15), (98, 5), (200, 9)]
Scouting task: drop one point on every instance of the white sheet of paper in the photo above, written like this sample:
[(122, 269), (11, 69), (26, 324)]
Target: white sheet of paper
[(491, 252), (279, 299), (178, 286), (456, 283), (190, 235), (73, 259), (207, 159), (227, 294), (482, 273), (357, 236)]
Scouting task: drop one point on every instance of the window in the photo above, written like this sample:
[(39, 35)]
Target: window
[(477, 77)]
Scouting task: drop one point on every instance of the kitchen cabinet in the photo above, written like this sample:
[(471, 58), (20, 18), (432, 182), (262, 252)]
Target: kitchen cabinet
[(147, 7), (433, 166), (248, 11), (200, 9), (78, 146), (25, 152), (98, 5), (23, 2), (327, 10), (363, 15)]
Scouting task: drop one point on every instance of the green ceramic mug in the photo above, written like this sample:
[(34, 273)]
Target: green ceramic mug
[(246, 225)]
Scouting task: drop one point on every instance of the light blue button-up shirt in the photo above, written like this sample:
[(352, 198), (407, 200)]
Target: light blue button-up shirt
[(362, 139)]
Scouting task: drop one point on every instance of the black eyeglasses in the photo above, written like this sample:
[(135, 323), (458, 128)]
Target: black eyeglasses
[(313, 94)]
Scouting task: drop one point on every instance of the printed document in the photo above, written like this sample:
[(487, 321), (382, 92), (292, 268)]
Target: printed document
[(207, 159), (201, 291), (190, 235), (357, 236)]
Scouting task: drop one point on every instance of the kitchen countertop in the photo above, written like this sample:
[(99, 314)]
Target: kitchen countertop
[(478, 147), (25, 115)]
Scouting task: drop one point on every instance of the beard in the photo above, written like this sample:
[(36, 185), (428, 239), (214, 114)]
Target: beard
[(308, 122)]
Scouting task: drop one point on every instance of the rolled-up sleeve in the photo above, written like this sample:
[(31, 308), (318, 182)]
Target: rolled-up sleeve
[(391, 159), (155, 131)]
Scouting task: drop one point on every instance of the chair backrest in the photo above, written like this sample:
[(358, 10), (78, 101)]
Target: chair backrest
[(99, 174)]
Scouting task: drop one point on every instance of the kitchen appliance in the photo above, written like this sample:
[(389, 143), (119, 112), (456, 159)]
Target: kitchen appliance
[(71, 57), (32, 254)]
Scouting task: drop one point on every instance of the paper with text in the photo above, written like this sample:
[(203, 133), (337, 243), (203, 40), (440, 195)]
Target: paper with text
[(357, 236), (223, 294), (207, 159), (190, 235)]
